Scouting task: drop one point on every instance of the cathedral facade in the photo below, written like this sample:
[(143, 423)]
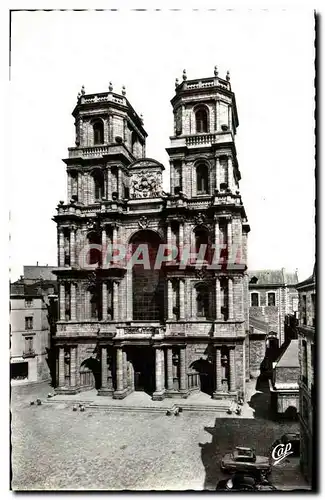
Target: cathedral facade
[(153, 286)]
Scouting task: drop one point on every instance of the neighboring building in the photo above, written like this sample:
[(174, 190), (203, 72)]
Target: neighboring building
[(306, 334), (284, 385), (273, 296), (171, 331), (30, 335)]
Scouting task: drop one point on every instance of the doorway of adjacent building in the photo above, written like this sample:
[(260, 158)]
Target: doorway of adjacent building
[(143, 361), (19, 371)]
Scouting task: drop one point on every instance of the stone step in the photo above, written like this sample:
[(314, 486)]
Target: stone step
[(186, 407)]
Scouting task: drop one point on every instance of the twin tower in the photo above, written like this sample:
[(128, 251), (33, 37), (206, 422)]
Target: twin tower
[(172, 330)]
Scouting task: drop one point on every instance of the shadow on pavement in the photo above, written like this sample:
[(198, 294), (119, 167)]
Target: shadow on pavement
[(228, 433)]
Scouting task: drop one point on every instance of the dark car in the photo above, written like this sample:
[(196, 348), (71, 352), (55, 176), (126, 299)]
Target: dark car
[(244, 482), (245, 460)]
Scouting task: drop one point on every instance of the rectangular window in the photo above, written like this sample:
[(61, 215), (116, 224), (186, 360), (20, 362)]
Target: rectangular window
[(313, 309), (28, 303), (304, 367), (254, 300), (28, 322), (271, 299), (29, 348), (304, 309)]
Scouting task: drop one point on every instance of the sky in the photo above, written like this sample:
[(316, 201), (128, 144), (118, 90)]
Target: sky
[(270, 56)]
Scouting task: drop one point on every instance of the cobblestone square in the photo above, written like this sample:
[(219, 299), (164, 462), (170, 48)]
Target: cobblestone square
[(56, 448)]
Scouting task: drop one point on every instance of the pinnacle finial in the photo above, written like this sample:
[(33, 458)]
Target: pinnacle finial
[(228, 76), (141, 118), (83, 90), (216, 71), (78, 96), (184, 75), (176, 83), (123, 90), (110, 87)]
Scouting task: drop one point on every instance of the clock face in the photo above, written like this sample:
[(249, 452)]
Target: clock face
[(178, 120)]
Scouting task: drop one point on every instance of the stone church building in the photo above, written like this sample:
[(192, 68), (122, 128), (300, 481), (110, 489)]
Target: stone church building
[(172, 329)]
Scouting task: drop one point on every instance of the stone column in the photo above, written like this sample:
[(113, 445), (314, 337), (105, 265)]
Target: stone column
[(109, 183), (61, 247), (158, 370), (115, 301), (119, 369), (132, 386), (181, 240), (119, 183), (73, 366), (183, 119), (129, 296), (104, 300), (239, 256), (170, 299), (104, 247), (110, 128), (69, 187), (218, 173), (72, 246), (61, 367), (170, 381), (172, 187), (183, 375), (79, 189), (218, 369), (230, 174), (125, 370), (73, 301), (181, 299), (229, 242), (218, 299), (218, 115), (104, 372), (169, 240), (193, 300), (114, 235), (230, 298), (163, 374), (216, 257), (62, 302), (232, 370)]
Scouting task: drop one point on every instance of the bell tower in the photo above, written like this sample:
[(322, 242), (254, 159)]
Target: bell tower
[(202, 152), (205, 211)]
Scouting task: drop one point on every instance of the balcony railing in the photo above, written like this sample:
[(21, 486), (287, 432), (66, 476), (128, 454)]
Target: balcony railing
[(29, 354)]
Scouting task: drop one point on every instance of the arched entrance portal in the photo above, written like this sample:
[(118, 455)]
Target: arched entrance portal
[(147, 282)]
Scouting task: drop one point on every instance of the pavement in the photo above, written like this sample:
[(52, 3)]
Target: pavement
[(56, 448)]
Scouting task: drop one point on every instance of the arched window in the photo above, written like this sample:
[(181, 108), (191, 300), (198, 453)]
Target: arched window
[(94, 253), (202, 179), (202, 301), (147, 283), (201, 121), (98, 129), (95, 302), (254, 300), (99, 184), (202, 242)]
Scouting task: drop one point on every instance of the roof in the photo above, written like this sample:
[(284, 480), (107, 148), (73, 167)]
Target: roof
[(36, 289), (273, 277), (309, 281), (39, 272), (290, 357)]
